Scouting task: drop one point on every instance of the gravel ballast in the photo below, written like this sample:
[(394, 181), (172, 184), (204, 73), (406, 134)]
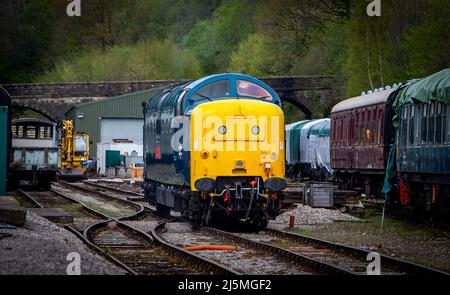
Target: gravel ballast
[(305, 214), (41, 247)]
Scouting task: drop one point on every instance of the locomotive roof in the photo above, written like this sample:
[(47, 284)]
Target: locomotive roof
[(362, 101), (170, 95)]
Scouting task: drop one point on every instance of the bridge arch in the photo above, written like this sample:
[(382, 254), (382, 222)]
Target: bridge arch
[(54, 99), (292, 99), (41, 111)]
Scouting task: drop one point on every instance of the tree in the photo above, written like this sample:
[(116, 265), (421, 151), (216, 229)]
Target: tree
[(144, 61), (213, 40), (429, 42)]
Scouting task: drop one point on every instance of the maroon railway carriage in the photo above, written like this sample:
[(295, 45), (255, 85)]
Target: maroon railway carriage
[(358, 139)]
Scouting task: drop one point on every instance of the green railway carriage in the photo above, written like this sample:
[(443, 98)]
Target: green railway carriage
[(423, 142)]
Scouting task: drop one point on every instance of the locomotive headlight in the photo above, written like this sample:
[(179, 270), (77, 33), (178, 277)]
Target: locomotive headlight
[(222, 130), (255, 130)]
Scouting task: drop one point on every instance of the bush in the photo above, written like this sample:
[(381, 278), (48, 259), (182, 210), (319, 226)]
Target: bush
[(143, 61)]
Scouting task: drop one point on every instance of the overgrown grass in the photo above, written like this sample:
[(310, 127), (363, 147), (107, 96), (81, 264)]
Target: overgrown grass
[(392, 227), (142, 61), (99, 208), (23, 202)]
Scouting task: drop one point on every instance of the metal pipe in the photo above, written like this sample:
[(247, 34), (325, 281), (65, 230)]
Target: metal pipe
[(208, 214), (252, 194)]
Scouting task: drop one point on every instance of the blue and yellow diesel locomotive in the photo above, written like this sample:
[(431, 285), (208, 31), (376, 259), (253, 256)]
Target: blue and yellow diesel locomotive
[(214, 148)]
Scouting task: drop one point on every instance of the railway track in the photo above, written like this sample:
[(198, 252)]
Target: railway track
[(114, 187), (245, 256), (140, 253), (82, 216), (345, 257), (125, 238), (141, 243), (115, 206)]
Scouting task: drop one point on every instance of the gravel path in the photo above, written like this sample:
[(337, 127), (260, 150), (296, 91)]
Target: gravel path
[(41, 247)]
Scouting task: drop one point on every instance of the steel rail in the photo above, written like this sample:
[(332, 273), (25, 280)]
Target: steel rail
[(198, 262), (113, 188), (397, 263), (80, 235), (30, 198), (140, 210), (99, 250), (292, 256), (211, 266)]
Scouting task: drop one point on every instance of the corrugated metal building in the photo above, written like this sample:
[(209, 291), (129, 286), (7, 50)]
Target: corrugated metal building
[(118, 117)]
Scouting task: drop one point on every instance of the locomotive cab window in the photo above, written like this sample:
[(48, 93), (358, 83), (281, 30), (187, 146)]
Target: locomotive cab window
[(81, 145), (246, 88), (219, 88)]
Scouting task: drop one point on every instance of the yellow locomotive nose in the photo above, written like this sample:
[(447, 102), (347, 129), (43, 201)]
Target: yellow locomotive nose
[(237, 137)]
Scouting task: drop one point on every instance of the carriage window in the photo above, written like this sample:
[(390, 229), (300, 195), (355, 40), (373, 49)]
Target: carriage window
[(446, 136), (20, 132), (357, 134), (363, 134), (246, 88), (14, 130), (411, 129), (423, 127), (215, 89), (31, 132), (45, 132), (352, 130), (431, 130), (404, 132), (374, 132), (439, 129)]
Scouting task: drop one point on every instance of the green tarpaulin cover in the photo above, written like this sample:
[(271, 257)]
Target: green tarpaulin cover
[(322, 129), (432, 88), (389, 178), (294, 141), (435, 87)]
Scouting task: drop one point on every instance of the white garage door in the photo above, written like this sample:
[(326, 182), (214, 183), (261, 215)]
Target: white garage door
[(130, 129)]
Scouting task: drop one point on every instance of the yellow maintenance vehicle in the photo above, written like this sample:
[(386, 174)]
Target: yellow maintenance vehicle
[(74, 152)]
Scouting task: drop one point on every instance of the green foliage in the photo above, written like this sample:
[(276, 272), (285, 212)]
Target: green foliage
[(251, 57), (23, 48), (145, 60), (213, 40), (171, 39), (429, 41)]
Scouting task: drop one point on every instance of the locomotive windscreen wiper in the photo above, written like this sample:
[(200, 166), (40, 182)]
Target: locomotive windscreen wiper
[(203, 96)]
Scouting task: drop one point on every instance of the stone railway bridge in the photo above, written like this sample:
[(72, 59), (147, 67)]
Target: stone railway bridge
[(55, 99)]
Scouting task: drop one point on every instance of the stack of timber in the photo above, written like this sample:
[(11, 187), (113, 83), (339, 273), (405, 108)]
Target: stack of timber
[(293, 193)]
